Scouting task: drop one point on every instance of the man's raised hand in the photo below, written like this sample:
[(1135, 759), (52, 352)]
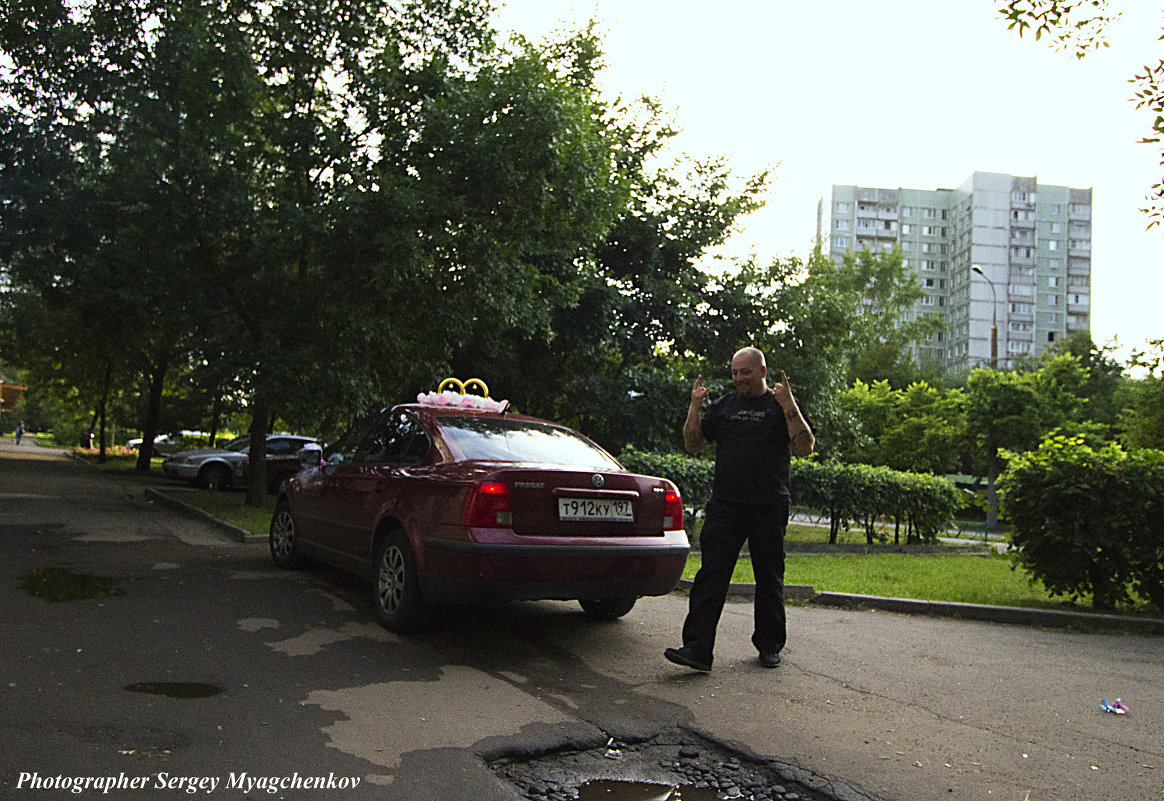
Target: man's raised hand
[(699, 392)]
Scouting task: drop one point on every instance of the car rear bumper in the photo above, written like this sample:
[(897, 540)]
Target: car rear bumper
[(469, 571)]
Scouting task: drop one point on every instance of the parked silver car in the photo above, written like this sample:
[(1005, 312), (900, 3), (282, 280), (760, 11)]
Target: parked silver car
[(226, 467)]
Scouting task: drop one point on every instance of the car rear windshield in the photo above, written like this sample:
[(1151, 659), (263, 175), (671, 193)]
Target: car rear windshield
[(499, 440)]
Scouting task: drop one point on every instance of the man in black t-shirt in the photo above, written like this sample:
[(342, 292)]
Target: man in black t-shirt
[(756, 431)]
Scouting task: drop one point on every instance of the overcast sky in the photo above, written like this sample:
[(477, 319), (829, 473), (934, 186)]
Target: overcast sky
[(895, 93)]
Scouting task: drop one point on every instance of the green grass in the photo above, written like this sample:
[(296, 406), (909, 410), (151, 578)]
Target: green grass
[(230, 507), (961, 579)]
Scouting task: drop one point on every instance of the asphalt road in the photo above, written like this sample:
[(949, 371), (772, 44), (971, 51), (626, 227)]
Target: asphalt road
[(297, 679)]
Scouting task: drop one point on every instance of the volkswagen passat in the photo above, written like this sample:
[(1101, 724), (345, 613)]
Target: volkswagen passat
[(441, 503)]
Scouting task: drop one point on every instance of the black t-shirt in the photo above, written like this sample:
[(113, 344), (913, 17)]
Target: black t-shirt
[(753, 452)]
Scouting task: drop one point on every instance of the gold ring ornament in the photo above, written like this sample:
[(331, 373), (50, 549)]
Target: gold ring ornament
[(461, 399)]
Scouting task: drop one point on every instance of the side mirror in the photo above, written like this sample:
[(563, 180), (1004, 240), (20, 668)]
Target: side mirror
[(311, 455)]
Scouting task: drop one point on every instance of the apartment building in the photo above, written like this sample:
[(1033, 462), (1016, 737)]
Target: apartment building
[(1001, 253)]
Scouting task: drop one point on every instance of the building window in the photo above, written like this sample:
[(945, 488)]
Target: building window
[(907, 228), (1022, 308), (929, 282), (1022, 289), (841, 225), (929, 214), (1079, 210), (1052, 280), (1053, 318), (928, 300), (841, 242), (1052, 244), (1056, 228), (844, 208), (1055, 209), (906, 211), (1052, 300), (1078, 299)]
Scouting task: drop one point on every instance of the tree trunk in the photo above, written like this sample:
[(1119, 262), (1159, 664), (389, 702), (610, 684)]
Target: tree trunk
[(992, 471), (102, 407), (257, 457), (157, 377)]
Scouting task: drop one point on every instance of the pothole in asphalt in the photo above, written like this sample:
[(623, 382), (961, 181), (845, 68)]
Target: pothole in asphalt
[(57, 584), (175, 689), (608, 790), (681, 767)]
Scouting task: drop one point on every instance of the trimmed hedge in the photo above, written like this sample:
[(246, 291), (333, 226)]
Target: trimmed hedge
[(1088, 520), (846, 493)]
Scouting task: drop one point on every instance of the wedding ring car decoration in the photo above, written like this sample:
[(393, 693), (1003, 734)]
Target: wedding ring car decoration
[(461, 399)]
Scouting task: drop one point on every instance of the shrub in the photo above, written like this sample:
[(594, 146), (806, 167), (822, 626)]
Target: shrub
[(1086, 520), (845, 492), (692, 476)]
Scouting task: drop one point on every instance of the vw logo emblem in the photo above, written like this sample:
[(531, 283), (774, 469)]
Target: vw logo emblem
[(598, 480)]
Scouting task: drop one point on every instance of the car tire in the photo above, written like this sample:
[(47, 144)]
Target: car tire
[(214, 477), (284, 542), (396, 585), (607, 608)]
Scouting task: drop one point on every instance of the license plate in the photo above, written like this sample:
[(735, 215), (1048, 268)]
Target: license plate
[(600, 510)]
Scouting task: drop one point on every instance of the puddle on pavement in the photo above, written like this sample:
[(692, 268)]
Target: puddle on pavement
[(609, 790), (175, 689), (57, 584)]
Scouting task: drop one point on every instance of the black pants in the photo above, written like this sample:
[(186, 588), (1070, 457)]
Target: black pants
[(727, 526)]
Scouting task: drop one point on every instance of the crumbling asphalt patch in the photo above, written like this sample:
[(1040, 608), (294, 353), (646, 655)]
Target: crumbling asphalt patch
[(682, 760)]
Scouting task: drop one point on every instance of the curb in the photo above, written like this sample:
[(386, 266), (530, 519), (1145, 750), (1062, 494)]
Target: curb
[(234, 532), (1011, 615)]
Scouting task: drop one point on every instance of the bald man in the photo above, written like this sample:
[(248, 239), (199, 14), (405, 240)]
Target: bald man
[(757, 429)]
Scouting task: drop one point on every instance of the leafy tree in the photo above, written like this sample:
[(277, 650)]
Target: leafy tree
[(818, 316), (1079, 26), (918, 429), (1141, 402), (345, 198), (1086, 519), (1015, 411), (1105, 375)]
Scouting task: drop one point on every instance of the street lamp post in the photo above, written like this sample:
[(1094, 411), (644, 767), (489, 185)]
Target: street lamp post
[(993, 319), (992, 471)]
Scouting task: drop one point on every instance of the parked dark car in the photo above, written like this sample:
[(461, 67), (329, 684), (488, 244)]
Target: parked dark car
[(226, 467), (437, 503)]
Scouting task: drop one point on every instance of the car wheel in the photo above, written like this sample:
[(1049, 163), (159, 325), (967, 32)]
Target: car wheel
[(214, 477), (283, 540), (607, 608), (399, 606)]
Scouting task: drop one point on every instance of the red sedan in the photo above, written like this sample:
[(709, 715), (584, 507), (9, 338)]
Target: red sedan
[(437, 503)]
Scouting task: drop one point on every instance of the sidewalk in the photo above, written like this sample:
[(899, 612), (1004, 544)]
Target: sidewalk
[(907, 707)]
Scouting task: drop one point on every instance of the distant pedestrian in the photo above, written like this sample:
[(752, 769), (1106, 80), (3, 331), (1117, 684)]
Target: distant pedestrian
[(19, 431), (756, 431)]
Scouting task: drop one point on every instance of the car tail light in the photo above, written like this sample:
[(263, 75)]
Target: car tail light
[(488, 506), (672, 511)]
